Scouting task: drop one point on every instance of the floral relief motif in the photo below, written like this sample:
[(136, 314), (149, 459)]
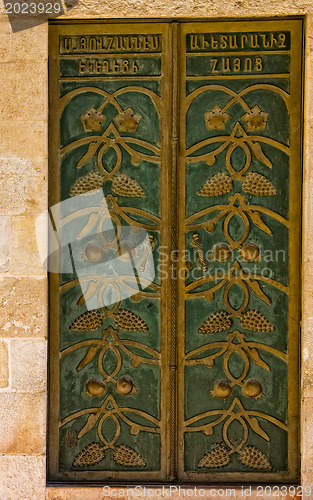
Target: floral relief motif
[(122, 454), (221, 217), (127, 121), (92, 120), (94, 348), (216, 119), (255, 119)]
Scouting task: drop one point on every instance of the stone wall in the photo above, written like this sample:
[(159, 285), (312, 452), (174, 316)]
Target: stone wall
[(23, 196)]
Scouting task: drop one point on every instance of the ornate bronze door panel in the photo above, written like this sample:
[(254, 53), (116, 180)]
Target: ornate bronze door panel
[(175, 202), (241, 164), (112, 99)]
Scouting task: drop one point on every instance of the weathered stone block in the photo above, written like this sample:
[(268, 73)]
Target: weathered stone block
[(5, 238), (28, 357), (24, 89), (4, 365), (5, 39), (307, 357), (25, 255), (307, 432), (79, 494), (23, 307), (22, 478), (23, 186), (27, 140), (31, 43), (23, 420)]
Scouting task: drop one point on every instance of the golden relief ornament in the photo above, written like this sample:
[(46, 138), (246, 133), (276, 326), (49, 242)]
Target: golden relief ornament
[(124, 186), (130, 118), (243, 155), (87, 184), (255, 119), (220, 455), (216, 119), (95, 387), (215, 186), (91, 455), (250, 320), (258, 185), (111, 356), (122, 454), (92, 120), (128, 121)]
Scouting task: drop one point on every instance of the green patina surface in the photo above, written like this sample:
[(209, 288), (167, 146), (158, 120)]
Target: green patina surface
[(272, 242), (74, 397), (238, 178)]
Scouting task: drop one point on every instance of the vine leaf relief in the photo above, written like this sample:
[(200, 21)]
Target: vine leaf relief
[(127, 121), (219, 456), (122, 454), (235, 343), (255, 119)]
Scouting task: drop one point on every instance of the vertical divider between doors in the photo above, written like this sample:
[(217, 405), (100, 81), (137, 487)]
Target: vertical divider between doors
[(181, 146), (173, 249)]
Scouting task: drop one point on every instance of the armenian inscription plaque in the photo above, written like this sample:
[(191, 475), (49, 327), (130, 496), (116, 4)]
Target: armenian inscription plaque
[(175, 188)]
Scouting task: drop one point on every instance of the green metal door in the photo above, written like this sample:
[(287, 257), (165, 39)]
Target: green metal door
[(110, 168), (240, 182), (175, 200)]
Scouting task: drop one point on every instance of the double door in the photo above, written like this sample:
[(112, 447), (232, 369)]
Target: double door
[(175, 199)]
